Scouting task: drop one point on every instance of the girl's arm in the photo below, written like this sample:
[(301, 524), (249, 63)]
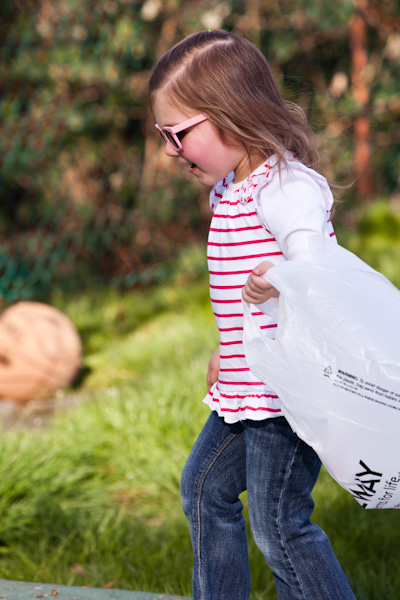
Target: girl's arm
[(296, 211), (213, 369)]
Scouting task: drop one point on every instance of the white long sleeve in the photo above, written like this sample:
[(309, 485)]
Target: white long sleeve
[(294, 209)]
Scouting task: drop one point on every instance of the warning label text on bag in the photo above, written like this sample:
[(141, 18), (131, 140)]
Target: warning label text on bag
[(365, 389)]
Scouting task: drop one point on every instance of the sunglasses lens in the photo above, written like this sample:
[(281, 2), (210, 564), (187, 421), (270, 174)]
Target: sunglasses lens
[(169, 137)]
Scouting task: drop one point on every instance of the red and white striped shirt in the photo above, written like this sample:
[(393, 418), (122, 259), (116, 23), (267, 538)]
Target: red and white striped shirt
[(266, 217)]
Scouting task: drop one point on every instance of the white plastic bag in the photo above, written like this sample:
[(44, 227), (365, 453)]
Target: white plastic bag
[(335, 364)]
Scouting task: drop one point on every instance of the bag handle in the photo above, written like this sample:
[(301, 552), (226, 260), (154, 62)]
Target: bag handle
[(251, 329), (260, 351), (270, 307)]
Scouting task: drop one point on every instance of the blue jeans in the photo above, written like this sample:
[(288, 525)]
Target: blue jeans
[(279, 472)]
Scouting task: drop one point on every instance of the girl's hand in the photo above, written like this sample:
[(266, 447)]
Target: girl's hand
[(257, 289), (213, 369)]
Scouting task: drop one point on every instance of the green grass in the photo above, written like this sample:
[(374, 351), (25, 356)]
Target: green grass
[(93, 498)]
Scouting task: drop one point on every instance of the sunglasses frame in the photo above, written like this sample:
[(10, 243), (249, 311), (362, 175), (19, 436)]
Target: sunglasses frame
[(178, 128)]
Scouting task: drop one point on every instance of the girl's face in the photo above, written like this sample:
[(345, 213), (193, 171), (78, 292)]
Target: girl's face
[(208, 157)]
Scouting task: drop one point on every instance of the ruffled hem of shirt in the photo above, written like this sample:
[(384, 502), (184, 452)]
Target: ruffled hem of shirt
[(239, 406)]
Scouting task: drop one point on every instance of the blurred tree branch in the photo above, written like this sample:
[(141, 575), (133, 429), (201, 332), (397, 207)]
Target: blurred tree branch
[(361, 93)]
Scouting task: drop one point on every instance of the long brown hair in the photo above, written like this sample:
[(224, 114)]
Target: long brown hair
[(227, 77)]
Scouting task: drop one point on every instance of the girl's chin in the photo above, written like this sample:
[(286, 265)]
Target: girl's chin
[(203, 177)]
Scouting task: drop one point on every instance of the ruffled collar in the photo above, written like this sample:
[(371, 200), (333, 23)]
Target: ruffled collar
[(243, 190)]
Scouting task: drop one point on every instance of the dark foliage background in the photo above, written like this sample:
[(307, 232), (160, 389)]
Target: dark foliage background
[(86, 194)]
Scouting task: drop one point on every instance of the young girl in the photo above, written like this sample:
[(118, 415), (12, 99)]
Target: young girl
[(221, 116)]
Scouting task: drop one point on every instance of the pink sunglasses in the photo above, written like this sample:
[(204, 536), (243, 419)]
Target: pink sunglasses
[(170, 133)]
